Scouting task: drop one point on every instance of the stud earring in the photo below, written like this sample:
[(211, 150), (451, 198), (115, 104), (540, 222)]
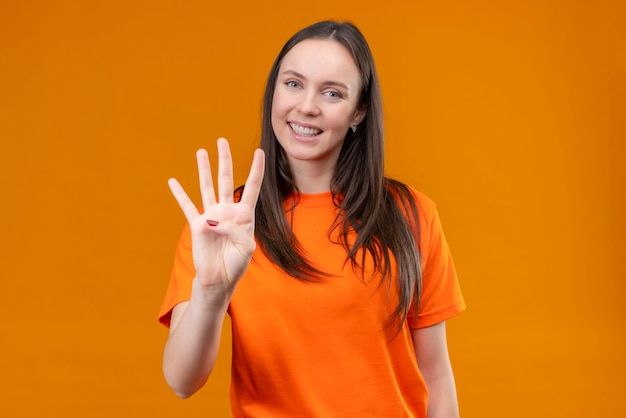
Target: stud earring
[(354, 125)]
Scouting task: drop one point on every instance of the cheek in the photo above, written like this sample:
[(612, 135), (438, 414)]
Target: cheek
[(279, 103), (280, 110), (342, 121), (276, 101), (276, 117)]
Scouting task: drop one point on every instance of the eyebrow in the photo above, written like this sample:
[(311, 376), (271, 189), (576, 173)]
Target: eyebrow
[(329, 82)]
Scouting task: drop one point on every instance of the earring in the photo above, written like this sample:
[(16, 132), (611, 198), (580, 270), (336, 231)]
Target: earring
[(354, 125)]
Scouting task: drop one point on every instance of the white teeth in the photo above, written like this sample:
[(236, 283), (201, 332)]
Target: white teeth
[(301, 130)]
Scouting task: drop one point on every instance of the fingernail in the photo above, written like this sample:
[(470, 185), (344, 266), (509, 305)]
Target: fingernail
[(212, 223)]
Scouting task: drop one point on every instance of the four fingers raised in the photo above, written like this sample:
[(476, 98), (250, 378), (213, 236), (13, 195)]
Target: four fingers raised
[(224, 180)]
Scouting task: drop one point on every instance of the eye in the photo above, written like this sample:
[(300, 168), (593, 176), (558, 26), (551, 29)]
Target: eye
[(292, 84), (333, 94)]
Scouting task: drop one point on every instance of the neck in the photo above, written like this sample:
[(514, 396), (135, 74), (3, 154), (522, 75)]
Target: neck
[(310, 177)]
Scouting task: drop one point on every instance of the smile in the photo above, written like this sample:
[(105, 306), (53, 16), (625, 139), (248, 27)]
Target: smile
[(301, 130)]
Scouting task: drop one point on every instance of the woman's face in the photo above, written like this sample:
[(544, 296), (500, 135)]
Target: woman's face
[(315, 102)]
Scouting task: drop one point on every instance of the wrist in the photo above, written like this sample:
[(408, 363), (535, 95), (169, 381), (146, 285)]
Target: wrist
[(213, 297)]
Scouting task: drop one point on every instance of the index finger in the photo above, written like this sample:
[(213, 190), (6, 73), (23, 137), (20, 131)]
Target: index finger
[(255, 179), (189, 209)]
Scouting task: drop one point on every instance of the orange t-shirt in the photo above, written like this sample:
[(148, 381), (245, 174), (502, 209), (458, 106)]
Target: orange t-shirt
[(321, 349)]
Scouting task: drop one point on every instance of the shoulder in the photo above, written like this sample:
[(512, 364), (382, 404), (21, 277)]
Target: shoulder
[(407, 196)]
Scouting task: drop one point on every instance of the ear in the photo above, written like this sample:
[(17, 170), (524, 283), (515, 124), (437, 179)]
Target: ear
[(359, 114)]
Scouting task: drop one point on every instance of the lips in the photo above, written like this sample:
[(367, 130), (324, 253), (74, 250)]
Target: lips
[(304, 130)]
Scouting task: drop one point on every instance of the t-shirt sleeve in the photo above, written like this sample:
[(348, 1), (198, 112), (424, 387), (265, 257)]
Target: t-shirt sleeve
[(441, 292), (181, 277)]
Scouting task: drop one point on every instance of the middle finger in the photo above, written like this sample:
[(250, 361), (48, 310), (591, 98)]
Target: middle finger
[(225, 172)]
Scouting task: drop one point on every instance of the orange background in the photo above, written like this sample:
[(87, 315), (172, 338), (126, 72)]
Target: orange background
[(510, 116)]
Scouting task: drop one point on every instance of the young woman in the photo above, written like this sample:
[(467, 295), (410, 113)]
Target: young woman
[(338, 280)]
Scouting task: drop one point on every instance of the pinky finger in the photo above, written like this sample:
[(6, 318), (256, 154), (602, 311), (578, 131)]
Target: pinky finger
[(189, 209), (255, 178)]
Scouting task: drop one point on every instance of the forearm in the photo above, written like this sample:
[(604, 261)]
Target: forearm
[(192, 347), (442, 398), (431, 350)]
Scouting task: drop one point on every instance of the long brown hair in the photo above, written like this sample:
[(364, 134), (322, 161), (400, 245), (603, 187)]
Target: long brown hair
[(381, 211)]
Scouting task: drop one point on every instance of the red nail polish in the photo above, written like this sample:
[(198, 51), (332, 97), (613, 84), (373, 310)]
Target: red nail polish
[(212, 223)]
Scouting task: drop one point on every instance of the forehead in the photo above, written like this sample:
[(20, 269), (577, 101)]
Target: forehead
[(321, 58)]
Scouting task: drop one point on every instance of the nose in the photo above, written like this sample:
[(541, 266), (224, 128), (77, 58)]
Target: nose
[(308, 103)]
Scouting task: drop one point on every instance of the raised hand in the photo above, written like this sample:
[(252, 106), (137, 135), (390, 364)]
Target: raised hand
[(223, 235)]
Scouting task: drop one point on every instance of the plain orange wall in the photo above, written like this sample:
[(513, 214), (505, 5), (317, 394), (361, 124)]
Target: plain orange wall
[(509, 114)]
